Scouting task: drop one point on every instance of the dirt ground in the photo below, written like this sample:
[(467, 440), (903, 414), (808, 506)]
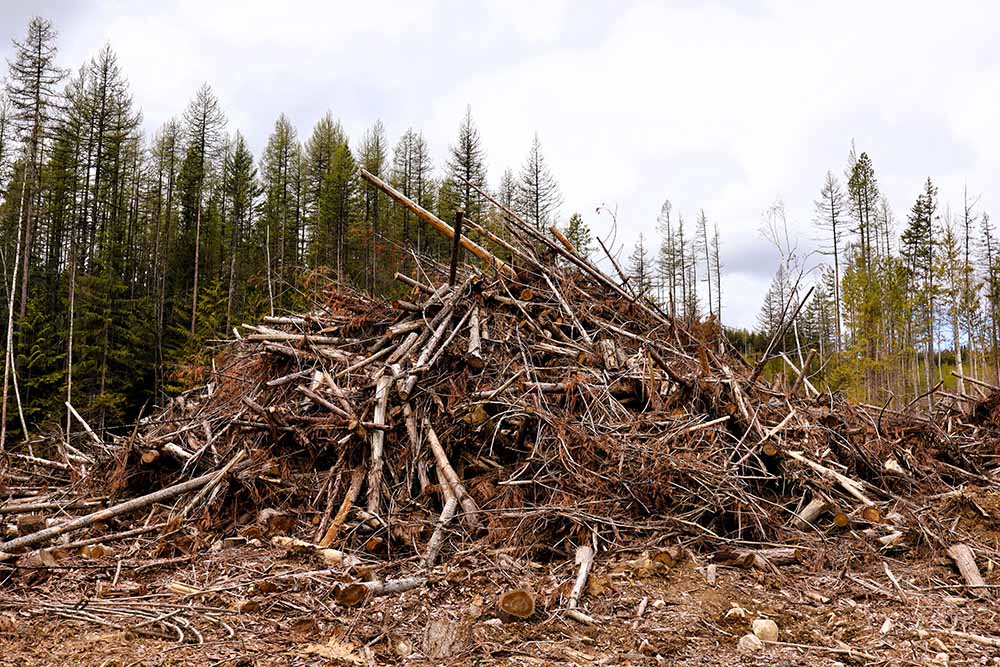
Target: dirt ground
[(243, 610)]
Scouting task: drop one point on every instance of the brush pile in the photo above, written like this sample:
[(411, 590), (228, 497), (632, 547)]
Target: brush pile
[(533, 402)]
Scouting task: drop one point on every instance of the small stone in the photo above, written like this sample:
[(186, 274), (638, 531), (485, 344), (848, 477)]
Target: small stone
[(749, 643), (940, 659), (7, 624), (765, 629)]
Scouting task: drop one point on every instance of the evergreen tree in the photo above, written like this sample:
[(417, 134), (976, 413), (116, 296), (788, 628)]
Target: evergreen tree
[(279, 167), (640, 269), (830, 217), (507, 192), (705, 248), (373, 156), (579, 235), (242, 190), (666, 260), (537, 199), (862, 188), (918, 252), (465, 168), (204, 123)]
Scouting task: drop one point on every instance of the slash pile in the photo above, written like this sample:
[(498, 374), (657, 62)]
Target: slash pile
[(532, 402)]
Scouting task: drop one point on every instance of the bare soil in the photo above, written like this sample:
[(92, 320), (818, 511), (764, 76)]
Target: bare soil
[(841, 596)]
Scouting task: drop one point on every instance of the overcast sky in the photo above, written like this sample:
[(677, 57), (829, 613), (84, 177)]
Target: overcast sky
[(722, 105)]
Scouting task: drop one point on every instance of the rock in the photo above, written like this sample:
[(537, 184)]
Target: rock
[(8, 625), (765, 629), (749, 643), (940, 659)]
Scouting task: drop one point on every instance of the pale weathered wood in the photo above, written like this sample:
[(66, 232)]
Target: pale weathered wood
[(474, 355), (450, 477), (378, 443), (807, 515), (965, 561), (353, 490)]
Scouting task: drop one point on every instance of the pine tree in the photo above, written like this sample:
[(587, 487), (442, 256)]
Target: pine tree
[(507, 192), (918, 252), (666, 264), (717, 266), (373, 156), (465, 169), (991, 263), (705, 248), (204, 123), (640, 269), (537, 199), (830, 217), (278, 177), (31, 84), (862, 188), (6, 141), (950, 268), (579, 235), (242, 190)]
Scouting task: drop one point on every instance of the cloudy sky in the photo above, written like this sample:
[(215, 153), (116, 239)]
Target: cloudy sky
[(723, 105)]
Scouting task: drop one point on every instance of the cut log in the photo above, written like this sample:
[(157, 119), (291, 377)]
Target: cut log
[(474, 355), (807, 515), (517, 603), (585, 560), (353, 594), (357, 478)]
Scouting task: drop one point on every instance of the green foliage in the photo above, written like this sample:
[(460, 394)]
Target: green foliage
[(579, 235)]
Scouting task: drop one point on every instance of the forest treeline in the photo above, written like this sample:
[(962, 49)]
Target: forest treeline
[(897, 307), (125, 253)]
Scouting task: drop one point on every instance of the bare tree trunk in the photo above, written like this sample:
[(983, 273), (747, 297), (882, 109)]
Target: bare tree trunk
[(197, 249), (69, 342), (8, 360)]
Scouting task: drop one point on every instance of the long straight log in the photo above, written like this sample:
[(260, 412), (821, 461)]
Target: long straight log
[(378, 442), (469, 506), (416, 284), (438, 224), (111, 512)]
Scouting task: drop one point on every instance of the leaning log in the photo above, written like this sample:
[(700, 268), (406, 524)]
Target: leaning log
[(113, 511), (438, 224)]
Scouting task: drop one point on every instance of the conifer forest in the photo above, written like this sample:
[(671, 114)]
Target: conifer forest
[(362, 398)]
